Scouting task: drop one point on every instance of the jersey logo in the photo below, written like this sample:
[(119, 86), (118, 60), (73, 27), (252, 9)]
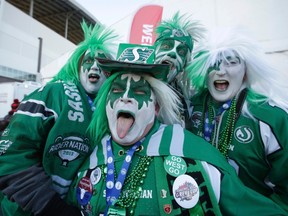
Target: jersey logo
[(4, 145), (244, 134), (69, 148), (136, 55)]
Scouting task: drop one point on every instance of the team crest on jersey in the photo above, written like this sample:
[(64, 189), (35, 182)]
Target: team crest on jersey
[(244, 134), (69, 148), (196, 119)]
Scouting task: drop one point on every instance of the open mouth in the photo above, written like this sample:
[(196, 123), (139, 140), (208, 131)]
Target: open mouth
[(125, 121), (221, 85), (166, 62), (93, 77)]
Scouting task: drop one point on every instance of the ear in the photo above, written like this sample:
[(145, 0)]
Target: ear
[(245, 77), (157, 108)]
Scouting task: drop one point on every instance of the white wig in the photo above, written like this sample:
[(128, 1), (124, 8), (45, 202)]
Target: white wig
[(261, 78), (167, 99)]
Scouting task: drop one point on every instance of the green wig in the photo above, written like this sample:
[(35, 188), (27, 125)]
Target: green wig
[(180, 28), (95, 38), (99, 124)]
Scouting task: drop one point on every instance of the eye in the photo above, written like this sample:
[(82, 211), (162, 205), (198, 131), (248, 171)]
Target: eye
[(89, 61), (233, 62), (139, 92), (117, 90), (165, 47), (182, 52)]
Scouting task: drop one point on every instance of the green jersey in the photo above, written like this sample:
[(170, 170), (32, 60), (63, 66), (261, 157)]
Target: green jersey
[(158, 181), (46, 137), (258, 149)]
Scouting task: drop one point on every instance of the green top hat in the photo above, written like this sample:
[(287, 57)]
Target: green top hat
[(135, 58)]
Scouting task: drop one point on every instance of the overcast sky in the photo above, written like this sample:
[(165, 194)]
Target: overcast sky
[(110, 11), (264, 17)]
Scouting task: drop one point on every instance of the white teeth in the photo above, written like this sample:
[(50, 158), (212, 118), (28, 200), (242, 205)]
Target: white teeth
[(220, 81)]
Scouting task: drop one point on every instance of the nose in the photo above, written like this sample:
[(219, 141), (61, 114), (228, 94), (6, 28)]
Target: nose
[(221, 70), (94, 66), (126, 100), (172, 55)]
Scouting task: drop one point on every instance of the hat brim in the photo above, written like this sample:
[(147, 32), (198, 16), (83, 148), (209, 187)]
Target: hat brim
[(159, 71)]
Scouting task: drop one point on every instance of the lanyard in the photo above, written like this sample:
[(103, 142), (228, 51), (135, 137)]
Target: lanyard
[(91, 103), (208, 128), (113, 188)]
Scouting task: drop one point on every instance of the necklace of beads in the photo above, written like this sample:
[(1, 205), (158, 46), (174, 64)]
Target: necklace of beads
[(133, 183), (210, 118), (226, 135)]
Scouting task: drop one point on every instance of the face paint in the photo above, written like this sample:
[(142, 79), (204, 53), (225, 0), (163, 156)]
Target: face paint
[(226, 77), (91, 77), (172, 52), (130, 108)]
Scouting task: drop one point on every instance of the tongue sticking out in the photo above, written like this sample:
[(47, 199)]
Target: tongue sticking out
[(124, 123)]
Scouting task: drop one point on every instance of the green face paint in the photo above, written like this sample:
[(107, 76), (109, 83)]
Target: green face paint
[(182, 50), (124, 86), (226, 77), (176, 34), (175, 53), (227, 62), (88, 61), (90, 58), (169, 45), (216, 67), (130, 108)]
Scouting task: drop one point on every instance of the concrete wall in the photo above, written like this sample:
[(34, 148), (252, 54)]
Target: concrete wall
[(19, 43)]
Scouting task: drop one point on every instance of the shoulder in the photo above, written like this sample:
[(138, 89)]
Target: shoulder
[(49, 95), (175, 140), (50, 87), (268, 112)]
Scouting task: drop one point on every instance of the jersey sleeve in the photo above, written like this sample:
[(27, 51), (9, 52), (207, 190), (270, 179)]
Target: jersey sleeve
[(274, 129), (23, 141), (22, 177), (237, 199), (276, 143)]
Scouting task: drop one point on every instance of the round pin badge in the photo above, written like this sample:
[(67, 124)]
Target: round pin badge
[(95, 176), (186, 191), (175, 166), (84, 191)]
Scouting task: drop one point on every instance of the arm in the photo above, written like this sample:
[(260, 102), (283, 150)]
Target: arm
[(22, 176), (276, 151), (237, 199)]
